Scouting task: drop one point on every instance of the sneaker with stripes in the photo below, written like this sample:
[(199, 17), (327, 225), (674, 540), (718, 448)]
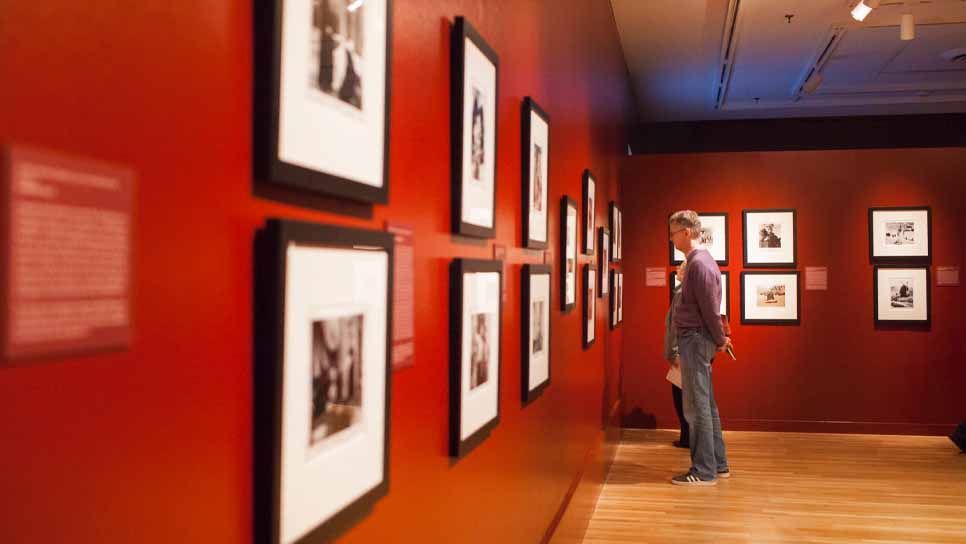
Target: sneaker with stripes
[(690, 478)]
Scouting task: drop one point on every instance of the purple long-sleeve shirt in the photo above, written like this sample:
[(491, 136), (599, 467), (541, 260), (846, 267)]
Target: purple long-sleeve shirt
[(701, 296)]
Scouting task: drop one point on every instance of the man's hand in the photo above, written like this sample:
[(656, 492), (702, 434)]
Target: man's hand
[(727, 344)]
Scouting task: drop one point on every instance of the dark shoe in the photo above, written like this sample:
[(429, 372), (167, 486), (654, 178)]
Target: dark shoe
[(726, 473), (680, 444), (690, 478)]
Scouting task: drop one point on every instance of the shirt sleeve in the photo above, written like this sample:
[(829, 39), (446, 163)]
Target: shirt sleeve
[(709, 305)]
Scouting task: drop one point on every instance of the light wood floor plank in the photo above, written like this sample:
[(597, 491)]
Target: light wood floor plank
[(787, 487)]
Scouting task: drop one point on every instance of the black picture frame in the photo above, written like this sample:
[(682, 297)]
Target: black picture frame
[(590, 304), (529, 108), (588, 218), (614, 319), (798, 295), (614, 216), (461, 32), (565, 204), (266, 116), (528, 271), (702, 215), (459, 447), (913, 324), (906, 260), (270, 268), (603, 242), (745, 240)]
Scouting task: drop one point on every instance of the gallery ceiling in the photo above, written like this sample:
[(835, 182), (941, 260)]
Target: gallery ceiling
[(693, 60)]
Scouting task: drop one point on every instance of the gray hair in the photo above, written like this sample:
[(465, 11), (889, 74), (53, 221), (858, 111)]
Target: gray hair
[(688, 219)]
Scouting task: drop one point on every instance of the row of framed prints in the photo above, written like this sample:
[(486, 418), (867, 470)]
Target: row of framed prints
[(475, 329), (322, 108), (322, 374), (896, 235), (902, 296)]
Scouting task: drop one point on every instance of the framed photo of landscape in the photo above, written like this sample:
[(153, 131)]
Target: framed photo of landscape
[(473, 101), (902, 295), (770, 298), (900, 235), (476, 308), (323, 307), (535, 334), (321, 98), (714, 238), (535, 152), (770, 239)]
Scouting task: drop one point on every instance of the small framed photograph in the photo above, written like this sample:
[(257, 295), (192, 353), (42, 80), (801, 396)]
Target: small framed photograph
[(476, 307), (675, 282), (473, 101), (590, 305), (770, 238), (568, 252), (615, 231), (535, 338), (323, 307), (535, 173), (714, 238), (770, 298), (616, 298), (604, 243), (900, 235), (902, 295), (321, 99), (589, 193)]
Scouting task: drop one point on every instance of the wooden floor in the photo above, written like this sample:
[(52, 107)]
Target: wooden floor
[(787, 487)]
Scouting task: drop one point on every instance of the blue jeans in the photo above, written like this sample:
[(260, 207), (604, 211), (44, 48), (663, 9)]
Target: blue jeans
[(697, 350)]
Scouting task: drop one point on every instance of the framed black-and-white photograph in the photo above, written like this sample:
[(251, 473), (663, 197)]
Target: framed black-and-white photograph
[(474, 375), (902, 295), (620, 297), (714, 238), (770, 298), (604, 244), (725, 298), (568, 254), (616, 298), (473, 102), (535, 334), (535, 153), (321, 103), (770, 238), (615, 232), (323, 308), (590, 305), (900, 235), (590, 198)]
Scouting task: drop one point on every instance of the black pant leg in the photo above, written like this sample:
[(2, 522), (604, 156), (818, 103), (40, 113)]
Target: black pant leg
[(679, 408)]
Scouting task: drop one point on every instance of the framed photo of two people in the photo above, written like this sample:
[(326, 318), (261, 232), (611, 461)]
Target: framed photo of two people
[(321, 102)]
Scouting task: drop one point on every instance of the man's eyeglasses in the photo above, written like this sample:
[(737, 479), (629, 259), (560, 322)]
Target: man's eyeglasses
[(673, 232)]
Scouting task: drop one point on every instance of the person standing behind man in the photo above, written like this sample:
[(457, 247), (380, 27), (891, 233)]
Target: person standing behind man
[(700, 335)]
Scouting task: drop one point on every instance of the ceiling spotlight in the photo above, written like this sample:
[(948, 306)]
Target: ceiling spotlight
[(863, 8), (907, 27)]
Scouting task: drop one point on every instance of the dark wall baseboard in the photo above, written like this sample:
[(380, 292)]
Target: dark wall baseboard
[(821, 133), (803, 426)]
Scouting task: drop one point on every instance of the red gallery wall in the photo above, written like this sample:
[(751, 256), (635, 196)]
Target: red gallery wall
[(153, 445), (835, 372)]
